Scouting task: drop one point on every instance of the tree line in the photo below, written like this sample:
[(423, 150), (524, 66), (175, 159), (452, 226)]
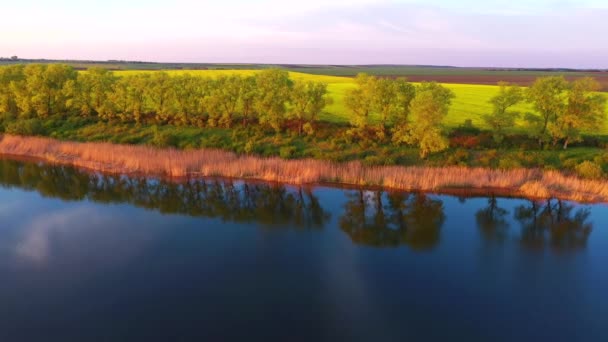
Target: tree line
[(564, 110), (269, 97), (380, 109)]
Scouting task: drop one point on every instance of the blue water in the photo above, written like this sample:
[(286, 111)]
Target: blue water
[(90, 258)]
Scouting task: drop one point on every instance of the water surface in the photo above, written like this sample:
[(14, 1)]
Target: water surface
[(88, 257)]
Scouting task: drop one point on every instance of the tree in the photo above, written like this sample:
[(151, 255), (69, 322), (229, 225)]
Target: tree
[(308, 99), (274, 87), (159, 95), (360, 100), (502, 117), (585, 109), (90, 92), (248, 98), (428, 109), (42, 92), (12, 74), (136, 86), (385, 101), (548, 98), (224, 99)]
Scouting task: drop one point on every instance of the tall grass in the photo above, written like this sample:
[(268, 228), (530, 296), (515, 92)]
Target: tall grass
[(114, 158)]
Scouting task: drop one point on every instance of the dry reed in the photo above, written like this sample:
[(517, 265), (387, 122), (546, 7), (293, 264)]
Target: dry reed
[(128, 159)]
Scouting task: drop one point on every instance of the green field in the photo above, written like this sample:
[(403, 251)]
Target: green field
[(471, 101)]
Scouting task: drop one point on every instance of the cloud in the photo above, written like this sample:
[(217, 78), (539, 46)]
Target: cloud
[(82, 236)]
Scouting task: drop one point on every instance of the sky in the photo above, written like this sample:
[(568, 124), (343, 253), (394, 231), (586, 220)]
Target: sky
[(493, 33)]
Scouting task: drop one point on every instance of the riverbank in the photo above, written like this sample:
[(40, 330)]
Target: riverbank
[(130, 159)]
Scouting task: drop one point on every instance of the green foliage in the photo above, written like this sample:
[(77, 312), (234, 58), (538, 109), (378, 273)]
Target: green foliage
[(25, 127), (273, 91), (548, 97), (460, 157), (502, 117), (589, 170), (428, 108), (308, 99), (163, 138), (287, 152)]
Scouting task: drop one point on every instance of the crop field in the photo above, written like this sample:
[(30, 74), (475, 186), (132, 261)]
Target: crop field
[(471, 101)]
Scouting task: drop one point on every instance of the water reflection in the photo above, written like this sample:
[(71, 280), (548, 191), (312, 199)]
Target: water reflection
[(492, 221), (392, 219), (372, 218), (553, 223), (266, 204)]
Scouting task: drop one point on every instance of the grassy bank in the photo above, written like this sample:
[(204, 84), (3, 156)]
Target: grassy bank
[(115, 158)]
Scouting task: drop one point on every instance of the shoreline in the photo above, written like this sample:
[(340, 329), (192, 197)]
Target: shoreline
[(187, 164)]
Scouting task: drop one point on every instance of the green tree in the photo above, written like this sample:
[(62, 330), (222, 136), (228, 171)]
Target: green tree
[(585, 110), (404, 96), (502, 117), (248, 98), (385, 101), (360, 100), (308, 99), (547, 95), (187, 93), (428, 108), (274, 89), (159, 94), (90, 93), (224, 98), (11, 74), (42, 91)]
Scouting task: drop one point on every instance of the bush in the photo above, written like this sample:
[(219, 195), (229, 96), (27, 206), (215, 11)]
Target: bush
[(163, 139), (308, 129), (25, 127), (589, 170), (249, 147), (487, 158), (287, 152), (509, 163), (374, 161), (459, 157)]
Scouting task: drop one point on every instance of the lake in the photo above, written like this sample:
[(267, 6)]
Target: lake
[(90, 257)]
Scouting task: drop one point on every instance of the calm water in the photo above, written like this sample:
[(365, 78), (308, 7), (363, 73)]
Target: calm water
[(103, 258)]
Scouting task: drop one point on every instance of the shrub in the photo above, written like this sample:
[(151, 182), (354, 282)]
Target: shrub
[(487, 158), (589, 170), (249, 147), (25, 127), (163, 139), (459, 157), (287, 152), (308, 129), (465, 141), (373, 161), (509, 163)]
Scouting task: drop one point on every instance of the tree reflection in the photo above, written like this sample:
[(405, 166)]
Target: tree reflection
[(553, 223), (262, 203), (492, 221), (408, 219)]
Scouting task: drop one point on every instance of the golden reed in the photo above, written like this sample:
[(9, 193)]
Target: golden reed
[(128, 159)]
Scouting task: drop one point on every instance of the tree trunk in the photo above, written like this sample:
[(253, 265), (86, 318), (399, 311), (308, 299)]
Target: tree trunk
[(566, 143)]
